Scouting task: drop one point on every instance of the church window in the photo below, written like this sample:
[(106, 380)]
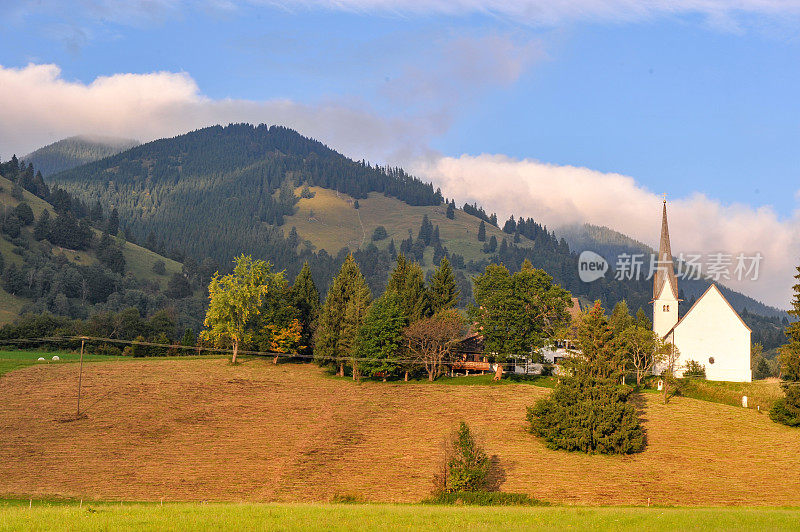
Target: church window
[(710, 360), (665, 308)]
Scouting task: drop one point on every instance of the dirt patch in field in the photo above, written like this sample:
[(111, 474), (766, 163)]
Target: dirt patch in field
[(203, 430)]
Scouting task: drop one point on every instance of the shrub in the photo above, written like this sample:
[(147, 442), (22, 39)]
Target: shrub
[(379, 234), (786, 410), (694, 370), (107, 349), (483, 498), (24, 212), (589, 415), (465, 467), (159, 267), (306, 193)]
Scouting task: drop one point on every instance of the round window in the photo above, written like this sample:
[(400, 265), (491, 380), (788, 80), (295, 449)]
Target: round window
[(711, 360)]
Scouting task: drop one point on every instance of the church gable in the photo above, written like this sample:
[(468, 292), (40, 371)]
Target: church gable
[(714, 311), (713, 334)]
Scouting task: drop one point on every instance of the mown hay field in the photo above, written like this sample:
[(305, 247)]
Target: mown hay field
[(197, 430)]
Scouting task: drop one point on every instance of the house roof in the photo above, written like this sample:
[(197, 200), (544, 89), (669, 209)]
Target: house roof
[(714, 286), (665, 270)]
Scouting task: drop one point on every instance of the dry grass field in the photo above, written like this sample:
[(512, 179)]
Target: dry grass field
[(335, 223), (190, 430)]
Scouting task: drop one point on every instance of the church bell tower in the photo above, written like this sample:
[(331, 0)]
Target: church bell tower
[(665, 284)]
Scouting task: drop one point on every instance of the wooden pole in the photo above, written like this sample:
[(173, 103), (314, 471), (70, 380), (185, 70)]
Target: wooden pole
[(80, 377)]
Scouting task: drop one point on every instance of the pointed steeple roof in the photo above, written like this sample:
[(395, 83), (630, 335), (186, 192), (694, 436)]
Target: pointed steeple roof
[(666, 269)]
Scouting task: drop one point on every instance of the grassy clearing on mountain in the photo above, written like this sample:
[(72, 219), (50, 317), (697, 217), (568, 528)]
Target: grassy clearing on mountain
[(205, 430), (131, 516), (329, 221)]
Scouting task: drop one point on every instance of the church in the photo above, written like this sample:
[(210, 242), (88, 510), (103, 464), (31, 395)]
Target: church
[(710, 332)]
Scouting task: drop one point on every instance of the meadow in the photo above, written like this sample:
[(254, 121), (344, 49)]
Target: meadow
[(15, 515), (189, 429)]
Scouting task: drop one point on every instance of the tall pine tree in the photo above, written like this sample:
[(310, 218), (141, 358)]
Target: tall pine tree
[(337, 327), (443, 292), (305, 298), (787, 409), (408, 281)]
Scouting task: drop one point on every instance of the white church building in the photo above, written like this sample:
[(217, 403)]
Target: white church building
[(710, 332)]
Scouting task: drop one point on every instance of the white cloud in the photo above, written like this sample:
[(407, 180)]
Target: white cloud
[(560, 195), (38, 106), (548, 12), (719, 13)]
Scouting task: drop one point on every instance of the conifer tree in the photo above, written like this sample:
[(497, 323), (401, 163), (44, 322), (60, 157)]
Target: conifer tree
[(451, 210), (588, 410), (380, 338), (332, 341), (787, 409), (305, 299), (113, 222), (42, 227), (408, 281), (482, 232), (443, 292)]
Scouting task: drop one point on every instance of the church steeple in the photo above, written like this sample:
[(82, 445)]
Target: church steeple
[(665, 271), (665, 284)]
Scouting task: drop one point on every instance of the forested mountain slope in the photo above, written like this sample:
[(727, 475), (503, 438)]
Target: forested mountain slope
[(75, 151), (222, 191), (70, 280), (218, 192)]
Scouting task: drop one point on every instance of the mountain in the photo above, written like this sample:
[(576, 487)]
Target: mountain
[(217, 192), (268, 191), (75, 151)]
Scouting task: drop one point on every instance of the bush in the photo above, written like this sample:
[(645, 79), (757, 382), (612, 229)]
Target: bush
[(306, 193), (483, 498), (24, 212), (466, 466), (107, 349), (379, 234), (786, 410), (589, 415), (159, 268), (694, 370)]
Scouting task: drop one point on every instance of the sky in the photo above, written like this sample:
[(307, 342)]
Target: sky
[(567, 112)]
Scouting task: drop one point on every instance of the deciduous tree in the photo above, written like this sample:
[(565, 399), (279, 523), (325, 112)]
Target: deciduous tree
[(429, 341), (235, 301)]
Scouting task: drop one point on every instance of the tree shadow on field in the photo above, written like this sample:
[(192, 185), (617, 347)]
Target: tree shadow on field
[(640, 404), (497, 474)]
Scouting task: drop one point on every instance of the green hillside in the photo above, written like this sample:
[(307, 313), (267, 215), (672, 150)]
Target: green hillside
[(31, 256), (329, 221), (75, 151)]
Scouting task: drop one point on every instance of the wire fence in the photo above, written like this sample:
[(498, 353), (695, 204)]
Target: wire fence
[(62, 341)]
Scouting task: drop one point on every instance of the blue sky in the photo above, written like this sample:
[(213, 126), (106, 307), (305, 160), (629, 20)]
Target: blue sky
[(689, 98)]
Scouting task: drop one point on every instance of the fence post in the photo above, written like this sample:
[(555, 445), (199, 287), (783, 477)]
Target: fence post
[(80, 377)]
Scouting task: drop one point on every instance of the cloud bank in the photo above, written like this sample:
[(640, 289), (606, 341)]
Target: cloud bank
[(38, 106), (562, 195)]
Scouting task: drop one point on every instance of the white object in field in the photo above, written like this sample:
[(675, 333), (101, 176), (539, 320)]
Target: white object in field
[(55, 357), (40, 359), (660, 385), (744, 401)]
